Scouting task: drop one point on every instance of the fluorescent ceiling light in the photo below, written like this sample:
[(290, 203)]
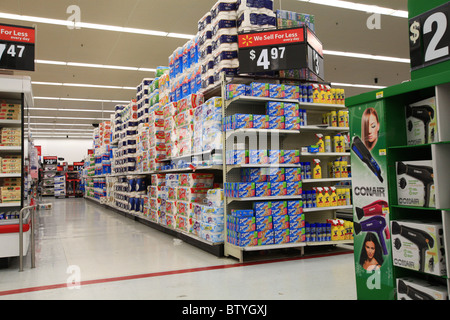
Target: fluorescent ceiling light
[(360, 7), (93, 65), (94, 26), (80, 99), (336, 84), (40, 136), (63, 130), (62, 124), (83, 85), (70, 110), (365, 56), (181, 35), (59, 63), (35, 19), (68, 118), (120, 29)]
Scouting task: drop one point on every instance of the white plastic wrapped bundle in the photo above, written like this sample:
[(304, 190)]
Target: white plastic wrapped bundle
[(254, 15)]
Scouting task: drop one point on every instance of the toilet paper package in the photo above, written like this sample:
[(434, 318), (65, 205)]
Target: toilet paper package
[(254, 20), (224, 7), (215, 197)]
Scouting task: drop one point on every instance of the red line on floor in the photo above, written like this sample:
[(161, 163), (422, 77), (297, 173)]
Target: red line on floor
[(166, 273)]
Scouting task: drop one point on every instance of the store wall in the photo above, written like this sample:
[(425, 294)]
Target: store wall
[(72, 150)]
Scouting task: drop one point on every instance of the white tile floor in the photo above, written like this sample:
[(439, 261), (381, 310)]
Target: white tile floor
[(118, 258)]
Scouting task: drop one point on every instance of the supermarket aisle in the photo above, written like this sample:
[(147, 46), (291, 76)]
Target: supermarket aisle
[(113, 257)]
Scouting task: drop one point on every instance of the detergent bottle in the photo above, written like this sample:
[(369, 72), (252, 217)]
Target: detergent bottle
[(320, 143), (316, 93), (319, 197), (317, 173), (333, 197), (327, 144)]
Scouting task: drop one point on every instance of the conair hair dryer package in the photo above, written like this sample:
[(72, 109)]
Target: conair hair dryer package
[(418, 289), (421, 122), (415, 183), (418, 246)]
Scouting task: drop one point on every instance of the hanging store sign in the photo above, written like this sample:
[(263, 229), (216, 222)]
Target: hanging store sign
[(429, 37), (17, 47), (284, 49)]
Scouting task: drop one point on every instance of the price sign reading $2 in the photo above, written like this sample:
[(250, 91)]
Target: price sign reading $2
[(429, 37)]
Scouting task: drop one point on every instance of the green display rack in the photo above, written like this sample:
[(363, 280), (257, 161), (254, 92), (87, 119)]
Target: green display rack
[(379, 126)]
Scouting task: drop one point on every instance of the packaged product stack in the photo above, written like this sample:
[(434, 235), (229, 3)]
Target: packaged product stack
[(10, 190), (120, 190), (255, 16), (212, 124), (289, 19), (157, 197), (183, 138), (211, 217), (269, 222), (124, 156), (224, 49), (11, 164), (10, 193), (331, 230), (185, 71), (60, 186), (192, 189), (117, 128), (157, 137), (110, 183), (10, 111), (100, 189), (143, 147), (135, 193), (307, 92), (11, 137)]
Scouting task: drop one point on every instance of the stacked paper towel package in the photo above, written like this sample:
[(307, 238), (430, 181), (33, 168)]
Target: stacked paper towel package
[(197, 65), (188, 202)]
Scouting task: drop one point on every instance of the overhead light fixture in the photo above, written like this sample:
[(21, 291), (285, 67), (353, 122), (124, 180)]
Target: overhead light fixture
[(68, 118), (120, 29), (336, 84), (83, 85), (62, 124), (95, 26), (40, 136), (180, 35), (360, 7), (365, 56), (93, 65), (63, 130), (70, 110), (81, 100)]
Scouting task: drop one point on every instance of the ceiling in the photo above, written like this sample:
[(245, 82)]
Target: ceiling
[(338, 29)]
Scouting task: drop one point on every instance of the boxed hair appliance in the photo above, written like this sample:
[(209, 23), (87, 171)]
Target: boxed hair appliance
[(418, 246), (421, 122), (415, 183)]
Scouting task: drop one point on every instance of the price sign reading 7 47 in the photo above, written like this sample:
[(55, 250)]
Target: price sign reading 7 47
[(17, 48), (285, 49)]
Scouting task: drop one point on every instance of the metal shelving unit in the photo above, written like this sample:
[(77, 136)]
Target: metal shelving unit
[(14, 90), (279, 139)]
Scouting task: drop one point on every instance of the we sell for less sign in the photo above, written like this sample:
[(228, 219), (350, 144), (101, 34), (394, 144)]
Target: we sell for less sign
[(17, 47), (283, 49)]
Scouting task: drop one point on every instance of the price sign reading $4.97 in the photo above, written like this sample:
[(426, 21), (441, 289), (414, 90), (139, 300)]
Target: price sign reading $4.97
[(283, 49), (265, 58), (429, 37)]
